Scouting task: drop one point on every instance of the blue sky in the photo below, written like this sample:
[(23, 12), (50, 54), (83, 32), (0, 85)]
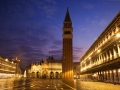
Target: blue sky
[(32, 29)]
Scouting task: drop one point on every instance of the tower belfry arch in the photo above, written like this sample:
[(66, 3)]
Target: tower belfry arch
[(67, 52)]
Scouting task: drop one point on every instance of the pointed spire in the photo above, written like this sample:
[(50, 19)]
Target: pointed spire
[(67, 17)]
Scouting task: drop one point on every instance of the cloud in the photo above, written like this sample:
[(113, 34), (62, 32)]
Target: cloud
[(87, 5), (77, 53), (83, 29), (103, 22), (31, 8), (51, 1), (48, 9), (58, 42), (87, 19), (94, 22), (29, 43), (57, 53)]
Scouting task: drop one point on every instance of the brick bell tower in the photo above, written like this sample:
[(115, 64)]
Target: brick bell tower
[(67, 52)]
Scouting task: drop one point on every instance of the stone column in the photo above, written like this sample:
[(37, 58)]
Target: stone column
[(117, 77), (98, 76), (112, 76), (105, 76), (108, 75), (102, 76)]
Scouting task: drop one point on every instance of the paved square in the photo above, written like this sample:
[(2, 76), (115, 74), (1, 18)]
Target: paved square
[(53, 84)]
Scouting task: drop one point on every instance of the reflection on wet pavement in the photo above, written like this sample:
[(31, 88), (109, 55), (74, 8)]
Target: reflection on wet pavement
[(53, 84)]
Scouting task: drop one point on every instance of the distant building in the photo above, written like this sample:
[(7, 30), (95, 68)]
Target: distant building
[(8, 69), (48, 68)]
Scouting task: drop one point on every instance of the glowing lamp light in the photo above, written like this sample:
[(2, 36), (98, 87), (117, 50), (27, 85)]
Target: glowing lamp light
[(98, 51), (114, 71), (119, 70), (6, 59), (118, 34)]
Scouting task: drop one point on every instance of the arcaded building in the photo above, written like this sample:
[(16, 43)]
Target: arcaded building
[(49, 68), (9, 69), (101, 62)]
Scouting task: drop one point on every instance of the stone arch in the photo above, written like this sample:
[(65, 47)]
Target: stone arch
[(95, 61), (44, 73), (110, 54), (92, 62), (57, 75), (60, 74), (118, 49), (98, 60), (33, 74), (51, 75), (115, 52), (104, 57), (113, 31), (117, 28), (37, 74), (107, 56), (101, 59)]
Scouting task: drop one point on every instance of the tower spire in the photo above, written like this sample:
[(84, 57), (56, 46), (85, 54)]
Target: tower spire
[(67, 17)]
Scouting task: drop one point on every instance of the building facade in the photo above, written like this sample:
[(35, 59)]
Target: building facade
[(49, 68), (67, 52), (101, 62), (8, 69)]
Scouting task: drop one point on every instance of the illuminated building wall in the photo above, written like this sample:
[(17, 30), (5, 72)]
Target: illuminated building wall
[(102, 60), (7, 68), (49, 68), (67, 49)]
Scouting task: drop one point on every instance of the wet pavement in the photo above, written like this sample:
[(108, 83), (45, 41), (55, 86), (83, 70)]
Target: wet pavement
[(53, 84)]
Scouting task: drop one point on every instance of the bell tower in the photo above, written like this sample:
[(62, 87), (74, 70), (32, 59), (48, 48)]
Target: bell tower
[(67, 52)]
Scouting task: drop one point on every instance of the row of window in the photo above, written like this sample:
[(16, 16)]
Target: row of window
[(104, 38), (103, 57), (7, 68), (67, 32)]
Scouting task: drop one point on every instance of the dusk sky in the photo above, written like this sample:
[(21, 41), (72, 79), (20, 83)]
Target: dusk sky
[(32, 29)]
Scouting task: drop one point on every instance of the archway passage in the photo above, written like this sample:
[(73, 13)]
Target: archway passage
[(33, 74), (51, 75), (44, 74), (38, 74), (57, 74)]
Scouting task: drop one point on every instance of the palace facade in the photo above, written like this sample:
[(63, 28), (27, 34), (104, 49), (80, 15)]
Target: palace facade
[(101, 62)]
